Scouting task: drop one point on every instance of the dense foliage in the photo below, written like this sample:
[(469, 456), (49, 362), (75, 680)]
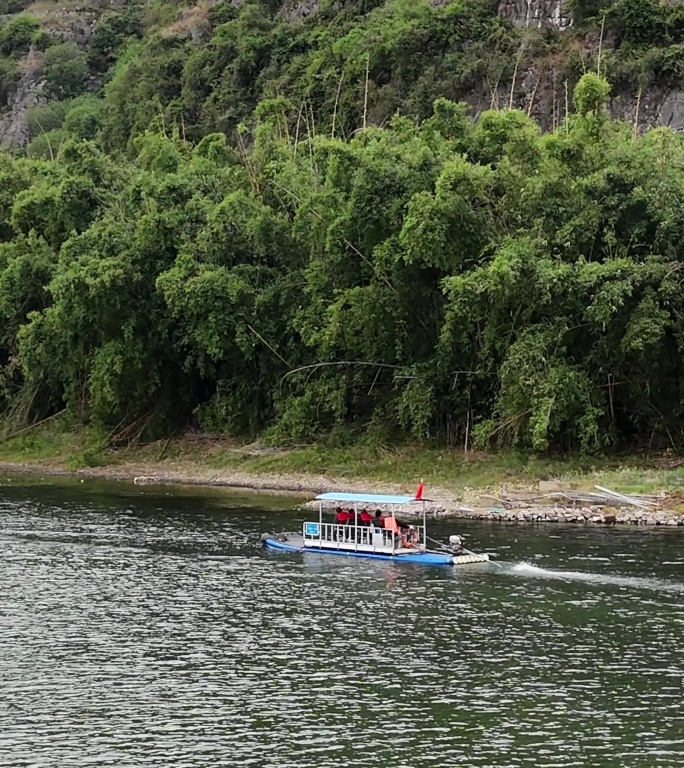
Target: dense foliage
[(205, 67), (224, 236), (424, 279)]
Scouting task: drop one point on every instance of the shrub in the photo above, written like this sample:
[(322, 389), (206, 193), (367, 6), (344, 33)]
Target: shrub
[(46, 117), (66, 69), (583, 10), (84, 119), (42, 39), (47, 145), (641, 22), (8, 7), (16, 35), (110, 35)]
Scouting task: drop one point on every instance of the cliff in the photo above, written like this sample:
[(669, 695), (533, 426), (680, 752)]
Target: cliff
[(522, 53), (535, 14)]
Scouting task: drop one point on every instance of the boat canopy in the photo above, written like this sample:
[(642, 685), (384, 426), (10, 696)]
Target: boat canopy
[(366, 498)]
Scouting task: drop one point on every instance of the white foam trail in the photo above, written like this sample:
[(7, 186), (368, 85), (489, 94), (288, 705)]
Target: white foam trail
[(599, 579)]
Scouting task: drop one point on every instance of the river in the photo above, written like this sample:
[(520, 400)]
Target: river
[(146, 627)]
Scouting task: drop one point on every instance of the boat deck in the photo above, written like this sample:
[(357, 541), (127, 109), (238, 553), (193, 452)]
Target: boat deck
[(294, 542), (297, 540)]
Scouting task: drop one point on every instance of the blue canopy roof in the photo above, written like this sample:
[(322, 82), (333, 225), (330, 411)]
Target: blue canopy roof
[(366, 498)]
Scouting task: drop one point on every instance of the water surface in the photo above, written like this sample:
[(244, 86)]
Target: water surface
[(140, 627)]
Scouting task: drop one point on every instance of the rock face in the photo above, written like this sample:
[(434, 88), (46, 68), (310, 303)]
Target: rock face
[(14, 131), (672, 111), (532, 14), (293, 10)]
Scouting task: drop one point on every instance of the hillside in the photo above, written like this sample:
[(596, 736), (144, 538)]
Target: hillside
[(307, 221), (205, 67)]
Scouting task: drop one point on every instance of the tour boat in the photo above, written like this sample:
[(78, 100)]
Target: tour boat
[(393, 541)]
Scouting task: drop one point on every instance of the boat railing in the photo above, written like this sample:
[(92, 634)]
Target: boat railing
[(346, 536)]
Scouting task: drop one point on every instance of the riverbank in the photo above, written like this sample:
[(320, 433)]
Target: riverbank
[(507, 487)]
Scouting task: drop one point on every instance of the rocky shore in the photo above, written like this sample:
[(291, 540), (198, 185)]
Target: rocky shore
[(513, 508), (537, 513), (596, 515)]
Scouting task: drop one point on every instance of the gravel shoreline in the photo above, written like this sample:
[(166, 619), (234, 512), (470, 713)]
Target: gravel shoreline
[(442, 505), (596, 515)]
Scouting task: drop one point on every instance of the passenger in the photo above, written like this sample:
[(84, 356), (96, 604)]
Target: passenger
[(409, 536), (341, 516), (365, 518), (456, 543), (391, 524), (379, 519)]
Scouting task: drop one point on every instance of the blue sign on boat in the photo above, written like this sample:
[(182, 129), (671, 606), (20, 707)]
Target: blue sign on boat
[(312, 529)]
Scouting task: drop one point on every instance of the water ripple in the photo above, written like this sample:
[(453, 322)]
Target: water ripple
[(140, 633)]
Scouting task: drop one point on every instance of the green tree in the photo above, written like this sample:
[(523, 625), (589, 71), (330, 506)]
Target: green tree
[(65, 68), (16, 34)]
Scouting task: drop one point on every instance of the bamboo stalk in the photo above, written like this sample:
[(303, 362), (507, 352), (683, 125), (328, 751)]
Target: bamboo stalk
[(285, 125), (636, 115), (296, 140), (337, 100), (313, 120), (365, 94), (308, 132), (600, 48), (494, 103), (515, 76), (533, 96), (263, 341)]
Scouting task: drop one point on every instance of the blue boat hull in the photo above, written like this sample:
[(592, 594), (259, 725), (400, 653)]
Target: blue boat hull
[(421, 558)]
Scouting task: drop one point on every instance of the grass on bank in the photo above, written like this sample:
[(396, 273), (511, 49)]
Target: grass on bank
[(58, 444)]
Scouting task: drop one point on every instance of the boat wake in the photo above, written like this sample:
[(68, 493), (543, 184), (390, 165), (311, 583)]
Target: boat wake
[(599, 579)]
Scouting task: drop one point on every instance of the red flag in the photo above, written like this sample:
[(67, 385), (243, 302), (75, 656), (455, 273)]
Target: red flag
[(419, 492)]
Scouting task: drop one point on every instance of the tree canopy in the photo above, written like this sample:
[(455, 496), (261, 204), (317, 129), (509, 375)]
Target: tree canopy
[(298, 229), (420, 281)]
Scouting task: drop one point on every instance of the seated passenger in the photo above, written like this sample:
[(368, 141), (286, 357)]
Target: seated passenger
[(379, 519), (365, 518), (409, 536), (391, 524), (342, 516)]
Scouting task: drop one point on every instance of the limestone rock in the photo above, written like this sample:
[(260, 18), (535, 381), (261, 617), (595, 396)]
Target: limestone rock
[(294, 10), (672, 111), (532, 14), (14, 131)]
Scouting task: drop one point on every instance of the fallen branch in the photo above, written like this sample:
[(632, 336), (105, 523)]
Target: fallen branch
[(32, 426), (627, 499), (165, 446), (339, 362)]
